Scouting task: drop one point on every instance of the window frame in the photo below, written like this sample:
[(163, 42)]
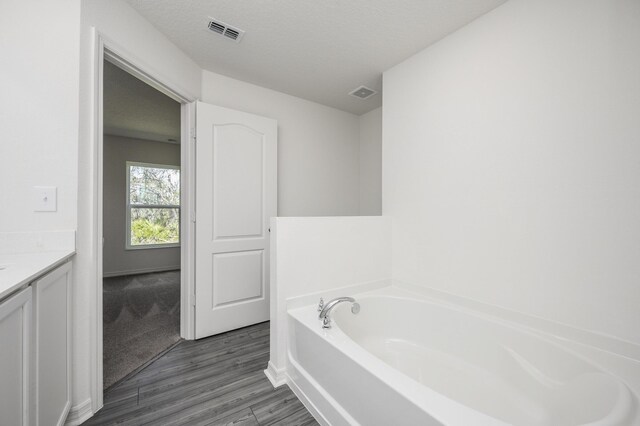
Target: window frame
[(129, 206)]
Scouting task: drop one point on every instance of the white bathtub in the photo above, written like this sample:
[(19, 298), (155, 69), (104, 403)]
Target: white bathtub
[(405, 361)]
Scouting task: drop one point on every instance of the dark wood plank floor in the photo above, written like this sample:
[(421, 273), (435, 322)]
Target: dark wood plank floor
[(213, 381)]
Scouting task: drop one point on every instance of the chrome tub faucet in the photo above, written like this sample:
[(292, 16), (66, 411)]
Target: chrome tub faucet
[(325, 309)]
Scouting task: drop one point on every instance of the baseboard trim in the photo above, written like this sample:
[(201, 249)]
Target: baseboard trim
[(140, 271), (276, 376), (79, 414), (65, 414), (302, 397)]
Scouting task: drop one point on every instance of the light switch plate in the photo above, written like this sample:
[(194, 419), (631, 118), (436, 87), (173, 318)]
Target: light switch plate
[(45, 198)]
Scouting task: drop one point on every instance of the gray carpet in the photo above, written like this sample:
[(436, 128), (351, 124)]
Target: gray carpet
[(141, 318)]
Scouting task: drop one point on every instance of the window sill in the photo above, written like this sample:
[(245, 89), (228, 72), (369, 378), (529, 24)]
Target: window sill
[(152, 246)]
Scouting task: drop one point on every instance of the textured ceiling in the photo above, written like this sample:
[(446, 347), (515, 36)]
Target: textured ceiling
[(134, 109), (314, 49)]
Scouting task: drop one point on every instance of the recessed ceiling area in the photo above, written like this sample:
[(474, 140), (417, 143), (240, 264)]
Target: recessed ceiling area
[(318, 50), (134, 109)]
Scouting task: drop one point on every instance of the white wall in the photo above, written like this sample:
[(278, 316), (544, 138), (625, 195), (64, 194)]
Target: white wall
[(118, 22), (38, 111), (318, 152), (318, 149), (117, 260), (316, 256), (371, 162), (510, 163)]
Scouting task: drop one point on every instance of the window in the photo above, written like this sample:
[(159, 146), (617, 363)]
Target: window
[(153, 206)]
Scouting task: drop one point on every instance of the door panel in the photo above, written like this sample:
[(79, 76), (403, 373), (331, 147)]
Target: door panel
[(238, 165), (235, 197), (242, 272)]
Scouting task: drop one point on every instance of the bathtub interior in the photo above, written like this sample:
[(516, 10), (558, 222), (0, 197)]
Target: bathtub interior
[(342, 389), (500, 370)]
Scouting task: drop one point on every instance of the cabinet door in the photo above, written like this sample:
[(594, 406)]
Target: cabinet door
[(52, 303), (15, 358)]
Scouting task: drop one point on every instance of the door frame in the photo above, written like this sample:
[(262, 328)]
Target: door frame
[(106, 49)]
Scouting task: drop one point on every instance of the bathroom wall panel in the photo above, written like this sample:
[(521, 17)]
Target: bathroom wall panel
[(510, 163), (371, 162), (322, 256)]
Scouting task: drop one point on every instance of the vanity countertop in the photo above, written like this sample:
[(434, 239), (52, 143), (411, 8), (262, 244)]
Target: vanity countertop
[(17, 270)]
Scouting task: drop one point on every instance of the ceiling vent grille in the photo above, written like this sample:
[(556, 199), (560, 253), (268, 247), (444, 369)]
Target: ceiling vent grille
[(225, 30), (232, 34), (216, 27), (363, 92)]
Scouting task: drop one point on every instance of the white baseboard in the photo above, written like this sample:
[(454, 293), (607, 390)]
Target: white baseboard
[(322, 406), (140, 271), (277, 377), (79, 414), (311, 408), (65, 414)]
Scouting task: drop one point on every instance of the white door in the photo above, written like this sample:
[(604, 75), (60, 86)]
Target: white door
[(236, 194)]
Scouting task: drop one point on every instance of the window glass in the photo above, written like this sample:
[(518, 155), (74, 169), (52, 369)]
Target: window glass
[(153, 205)]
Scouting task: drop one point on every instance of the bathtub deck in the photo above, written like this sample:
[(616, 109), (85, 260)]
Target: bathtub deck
[(214, 381)]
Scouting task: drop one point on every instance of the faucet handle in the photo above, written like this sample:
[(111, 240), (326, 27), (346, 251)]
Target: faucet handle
[(326, 322), (320, 305)]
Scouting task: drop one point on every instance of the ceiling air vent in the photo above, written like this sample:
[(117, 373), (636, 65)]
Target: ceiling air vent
[(216, 27), (225, 30), (363, 92)]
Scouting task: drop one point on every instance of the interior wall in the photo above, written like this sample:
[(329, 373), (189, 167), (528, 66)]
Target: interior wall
[(39, 112), (358, 250), (117, 260), (318, 152), (510, 163), (122, 25), (371, 162)]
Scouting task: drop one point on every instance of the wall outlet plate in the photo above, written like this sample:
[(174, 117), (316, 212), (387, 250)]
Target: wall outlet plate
[(45, 199)]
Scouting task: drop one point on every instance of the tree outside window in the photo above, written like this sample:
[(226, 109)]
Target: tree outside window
[(153, 205)]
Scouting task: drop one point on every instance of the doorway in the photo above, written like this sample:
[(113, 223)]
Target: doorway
[(106, 50), (257, 138), (141, 223)]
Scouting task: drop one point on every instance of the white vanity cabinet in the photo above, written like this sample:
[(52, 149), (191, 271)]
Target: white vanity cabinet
[(52, 347), (15, 358), (35, 351)]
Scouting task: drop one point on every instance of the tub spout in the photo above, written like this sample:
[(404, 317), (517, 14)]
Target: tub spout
[(325, 313)]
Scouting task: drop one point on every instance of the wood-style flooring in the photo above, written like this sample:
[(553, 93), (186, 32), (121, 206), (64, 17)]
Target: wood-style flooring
[(214, 381)]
